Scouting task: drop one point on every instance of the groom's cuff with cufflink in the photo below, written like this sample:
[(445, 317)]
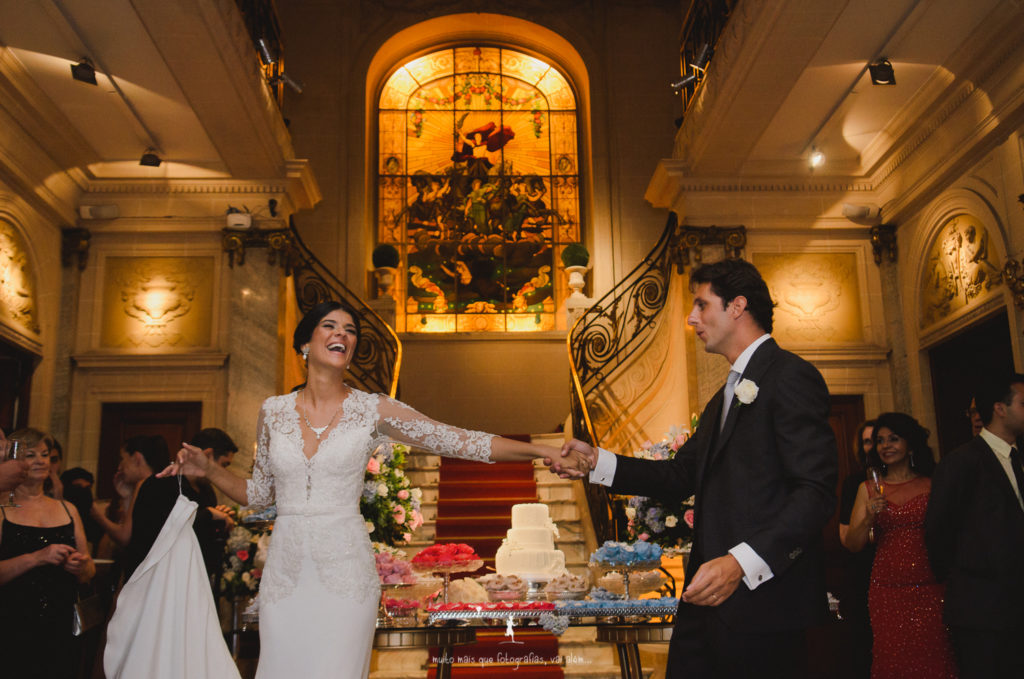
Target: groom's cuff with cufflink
[(604, 470), (755, 571)]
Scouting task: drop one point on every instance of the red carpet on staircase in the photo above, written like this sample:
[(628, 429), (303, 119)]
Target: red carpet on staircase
[(474, 505)]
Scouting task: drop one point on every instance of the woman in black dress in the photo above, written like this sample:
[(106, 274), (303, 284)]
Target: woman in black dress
[(43, 555)]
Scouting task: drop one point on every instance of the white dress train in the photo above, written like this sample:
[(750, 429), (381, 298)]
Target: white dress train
[(165, 625), (319, 591)]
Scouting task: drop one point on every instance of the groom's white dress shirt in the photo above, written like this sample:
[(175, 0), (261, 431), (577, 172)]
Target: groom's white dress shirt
[(755, 570)]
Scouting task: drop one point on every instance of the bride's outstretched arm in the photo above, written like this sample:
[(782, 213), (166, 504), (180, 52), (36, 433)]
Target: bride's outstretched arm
[(399, 422)]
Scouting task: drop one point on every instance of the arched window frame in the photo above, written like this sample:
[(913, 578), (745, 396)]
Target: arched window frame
[(444, 298)]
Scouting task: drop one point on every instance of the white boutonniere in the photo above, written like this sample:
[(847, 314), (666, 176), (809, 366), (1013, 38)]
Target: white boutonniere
[(746, 392)]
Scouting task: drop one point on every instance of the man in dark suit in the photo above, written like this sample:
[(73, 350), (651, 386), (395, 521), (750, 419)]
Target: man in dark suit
[(974, 532), (763, 467)]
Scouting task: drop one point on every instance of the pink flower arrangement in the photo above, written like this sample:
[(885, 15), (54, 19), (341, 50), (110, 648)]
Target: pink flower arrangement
[(373, 466), (688, 517), (403, 495), (399, 514)]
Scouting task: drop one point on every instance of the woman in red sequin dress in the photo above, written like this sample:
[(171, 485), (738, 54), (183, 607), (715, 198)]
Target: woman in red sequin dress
[(904, 599)]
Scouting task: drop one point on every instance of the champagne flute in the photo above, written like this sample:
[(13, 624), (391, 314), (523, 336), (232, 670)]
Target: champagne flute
[(875, 482), (14, 452)]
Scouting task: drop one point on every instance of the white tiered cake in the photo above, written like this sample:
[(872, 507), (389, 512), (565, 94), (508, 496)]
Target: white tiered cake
[(528, 550)]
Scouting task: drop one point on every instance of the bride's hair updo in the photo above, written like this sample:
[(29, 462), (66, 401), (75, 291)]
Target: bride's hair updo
[(304, 330)]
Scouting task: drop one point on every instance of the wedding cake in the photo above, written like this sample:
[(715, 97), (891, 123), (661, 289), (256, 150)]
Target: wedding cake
[(528, 550)]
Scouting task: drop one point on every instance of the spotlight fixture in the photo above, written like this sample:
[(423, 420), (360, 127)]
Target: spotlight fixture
[(287, 80), (84, 71), (816, 159), (150, 158), (265, 54), (882, 73), (678, 85), (702, 57)]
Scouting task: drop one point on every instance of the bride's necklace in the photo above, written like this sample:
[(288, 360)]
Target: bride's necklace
[(319, 431)]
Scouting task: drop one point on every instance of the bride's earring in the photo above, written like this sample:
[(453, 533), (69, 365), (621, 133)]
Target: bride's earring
[(305, 353)]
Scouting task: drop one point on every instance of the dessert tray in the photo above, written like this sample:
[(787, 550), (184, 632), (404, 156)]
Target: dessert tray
[(634, 608)]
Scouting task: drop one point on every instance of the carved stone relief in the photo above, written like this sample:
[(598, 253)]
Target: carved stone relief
[(17, 281), (817, 296), (958, 269), (157, 302)]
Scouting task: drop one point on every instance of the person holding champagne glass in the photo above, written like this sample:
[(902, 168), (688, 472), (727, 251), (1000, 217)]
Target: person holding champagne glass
[(43, 556), (904, 598), (12, 471)]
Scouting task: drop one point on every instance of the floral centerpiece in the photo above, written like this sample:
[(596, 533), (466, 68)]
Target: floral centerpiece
[(389, 504), (649, 520), (244, 558)]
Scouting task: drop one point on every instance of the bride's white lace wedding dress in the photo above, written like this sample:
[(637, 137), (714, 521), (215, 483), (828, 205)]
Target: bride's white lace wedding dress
[(319, 592)]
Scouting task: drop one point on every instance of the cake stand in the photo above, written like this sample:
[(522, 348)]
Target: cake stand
[(626, 570), (446, 572)]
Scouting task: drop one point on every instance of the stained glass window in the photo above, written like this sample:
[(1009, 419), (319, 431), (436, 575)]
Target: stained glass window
[(478, 189)]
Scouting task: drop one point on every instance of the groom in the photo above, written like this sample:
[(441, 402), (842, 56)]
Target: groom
[(762, 465)]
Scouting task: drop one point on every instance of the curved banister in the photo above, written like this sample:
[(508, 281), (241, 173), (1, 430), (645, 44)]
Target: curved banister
[(603, 339), (378, 358)]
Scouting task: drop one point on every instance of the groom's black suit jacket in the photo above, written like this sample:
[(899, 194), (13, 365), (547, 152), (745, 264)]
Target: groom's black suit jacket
[(974, 532), (768, 479)]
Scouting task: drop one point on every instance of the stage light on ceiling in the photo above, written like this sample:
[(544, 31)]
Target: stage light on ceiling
[(150, 158), (702, 57), (84, 71), (882, 73), (816, 159)]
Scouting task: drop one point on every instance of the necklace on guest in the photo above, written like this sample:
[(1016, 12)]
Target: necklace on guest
[(319, 431)]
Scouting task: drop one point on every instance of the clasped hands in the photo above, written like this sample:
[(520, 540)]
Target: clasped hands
[(576, 461), (65, 556)]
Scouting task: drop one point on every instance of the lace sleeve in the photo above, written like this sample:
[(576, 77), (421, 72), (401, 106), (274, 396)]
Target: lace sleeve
[(259, 490), (399, 422)]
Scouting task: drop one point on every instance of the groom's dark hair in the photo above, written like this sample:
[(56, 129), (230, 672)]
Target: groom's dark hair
[(732, 278)]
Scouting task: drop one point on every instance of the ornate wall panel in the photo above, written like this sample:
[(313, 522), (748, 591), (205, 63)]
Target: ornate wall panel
[(18, 305), (959, 269), (817, 296), (161, 303)]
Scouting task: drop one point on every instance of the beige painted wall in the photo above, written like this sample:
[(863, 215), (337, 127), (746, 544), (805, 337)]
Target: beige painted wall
[(503, 386)]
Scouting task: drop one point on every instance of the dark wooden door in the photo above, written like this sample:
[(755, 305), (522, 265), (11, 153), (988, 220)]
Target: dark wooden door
[(16, 367), (980, 352), (176, 421)]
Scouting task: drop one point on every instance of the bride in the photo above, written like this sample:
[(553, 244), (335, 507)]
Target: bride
[(319, 591)]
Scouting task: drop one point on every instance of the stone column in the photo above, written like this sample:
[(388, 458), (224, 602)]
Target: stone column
[(883, 243), (74, 257), (254, 363)]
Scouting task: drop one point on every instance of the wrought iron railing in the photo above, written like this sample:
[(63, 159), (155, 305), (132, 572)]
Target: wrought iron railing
[(379, 355), (621, 323), (602, 339)]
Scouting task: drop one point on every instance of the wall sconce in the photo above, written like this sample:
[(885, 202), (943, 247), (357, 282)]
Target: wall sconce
[(881, 72), (84, 71), (150, 158)]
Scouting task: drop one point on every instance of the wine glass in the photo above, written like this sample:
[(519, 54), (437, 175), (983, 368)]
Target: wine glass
[(14, 452)]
